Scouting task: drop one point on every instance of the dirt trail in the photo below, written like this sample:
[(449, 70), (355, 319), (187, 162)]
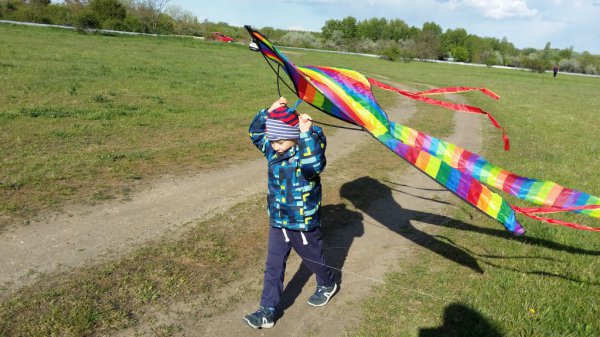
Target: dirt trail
[(88, 234)]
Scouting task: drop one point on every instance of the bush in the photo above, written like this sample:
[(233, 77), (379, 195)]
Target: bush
[(491, 58), (460, 54), (534, 63), (392, 52), (301, 39), (87, 20), (133, 24), (115, 24), (407, 50), (335, 41), (365, 45), (590, 70), (569, 65)]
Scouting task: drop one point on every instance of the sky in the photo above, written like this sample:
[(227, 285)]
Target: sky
[(525, 23)]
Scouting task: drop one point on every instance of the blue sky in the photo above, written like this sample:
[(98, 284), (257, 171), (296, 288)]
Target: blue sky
[(526, 23)]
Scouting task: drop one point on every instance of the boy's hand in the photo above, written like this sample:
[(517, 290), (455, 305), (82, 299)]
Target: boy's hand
[(278, 103), (305, 122)]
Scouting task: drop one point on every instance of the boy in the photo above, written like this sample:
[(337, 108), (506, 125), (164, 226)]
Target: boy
[(295, 151)]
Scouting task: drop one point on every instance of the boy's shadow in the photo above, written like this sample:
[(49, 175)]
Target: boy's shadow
[(462, 321)]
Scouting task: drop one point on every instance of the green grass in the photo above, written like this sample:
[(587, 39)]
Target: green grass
[(89, 115)]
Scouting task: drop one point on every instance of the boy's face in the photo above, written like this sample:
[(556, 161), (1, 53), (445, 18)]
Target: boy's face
[(282, 145)]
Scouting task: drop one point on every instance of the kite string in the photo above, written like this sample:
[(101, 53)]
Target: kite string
[(380, 281)]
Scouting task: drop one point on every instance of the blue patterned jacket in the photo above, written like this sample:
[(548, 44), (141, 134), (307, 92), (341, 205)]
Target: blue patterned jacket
[(294, 197)]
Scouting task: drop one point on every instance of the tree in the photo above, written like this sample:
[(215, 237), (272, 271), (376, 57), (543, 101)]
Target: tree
[(348, 27), (451, 39), (397, 30), (460, 54), (331, 26), (507, 50), (149, 12), (566, 53), (372, 29), (108, 9), (429, 41), (185, 22), (40, 2)]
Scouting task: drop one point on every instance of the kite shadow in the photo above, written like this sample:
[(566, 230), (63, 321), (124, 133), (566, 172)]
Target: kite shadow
[(391, 215), (399, 220), (347, 225), (462, 321)]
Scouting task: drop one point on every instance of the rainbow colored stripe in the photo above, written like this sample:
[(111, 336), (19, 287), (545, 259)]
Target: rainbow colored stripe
[(546, 193), (347, 95)]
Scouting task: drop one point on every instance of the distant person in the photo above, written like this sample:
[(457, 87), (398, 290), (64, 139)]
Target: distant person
[(555, 70), (295, 151)]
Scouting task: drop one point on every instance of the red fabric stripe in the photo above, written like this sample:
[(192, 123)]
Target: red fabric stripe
[(453, 106), (464, 160), (458, 89), (412, 154), (556, 209), (474, 192), (508, 183), (555, 221)]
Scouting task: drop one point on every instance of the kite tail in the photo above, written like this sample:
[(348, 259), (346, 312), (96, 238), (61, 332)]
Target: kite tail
[(420, 96), (553, 197), (459, 183)]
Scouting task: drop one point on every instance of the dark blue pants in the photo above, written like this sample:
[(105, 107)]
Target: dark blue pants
[(277, 255)]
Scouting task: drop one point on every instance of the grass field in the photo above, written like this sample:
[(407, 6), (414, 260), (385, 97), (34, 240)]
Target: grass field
[(87, 118)]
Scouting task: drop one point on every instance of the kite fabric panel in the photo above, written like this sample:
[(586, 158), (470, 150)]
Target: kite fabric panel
[(347, 95)]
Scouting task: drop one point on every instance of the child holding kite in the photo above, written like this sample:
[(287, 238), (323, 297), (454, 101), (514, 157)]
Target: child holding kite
[(295, 151)]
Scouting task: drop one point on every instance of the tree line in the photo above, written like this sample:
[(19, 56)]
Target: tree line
[(394, 39), (141, 16)]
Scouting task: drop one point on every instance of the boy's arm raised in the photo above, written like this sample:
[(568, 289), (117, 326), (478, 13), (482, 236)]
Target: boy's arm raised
[(257, 131), (312, 144)]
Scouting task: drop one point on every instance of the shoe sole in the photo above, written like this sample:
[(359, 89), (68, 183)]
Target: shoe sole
[(264, 326), (335, 288)]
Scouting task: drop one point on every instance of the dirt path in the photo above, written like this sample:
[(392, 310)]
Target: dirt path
[(88, 234)]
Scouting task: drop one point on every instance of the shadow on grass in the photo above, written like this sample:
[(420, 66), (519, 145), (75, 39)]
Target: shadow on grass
[(394, 219), (462, 321)]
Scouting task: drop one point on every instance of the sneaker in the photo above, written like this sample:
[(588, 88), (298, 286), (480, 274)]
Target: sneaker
[(322, 295), (263, 318)]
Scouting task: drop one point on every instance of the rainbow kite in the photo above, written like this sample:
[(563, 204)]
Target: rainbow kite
[(346, 95)]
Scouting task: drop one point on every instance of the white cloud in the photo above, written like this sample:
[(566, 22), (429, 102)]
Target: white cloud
[(298, 28), (498, 9)]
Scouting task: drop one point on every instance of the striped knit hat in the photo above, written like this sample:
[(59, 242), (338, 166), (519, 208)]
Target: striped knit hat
[(282, 123)]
